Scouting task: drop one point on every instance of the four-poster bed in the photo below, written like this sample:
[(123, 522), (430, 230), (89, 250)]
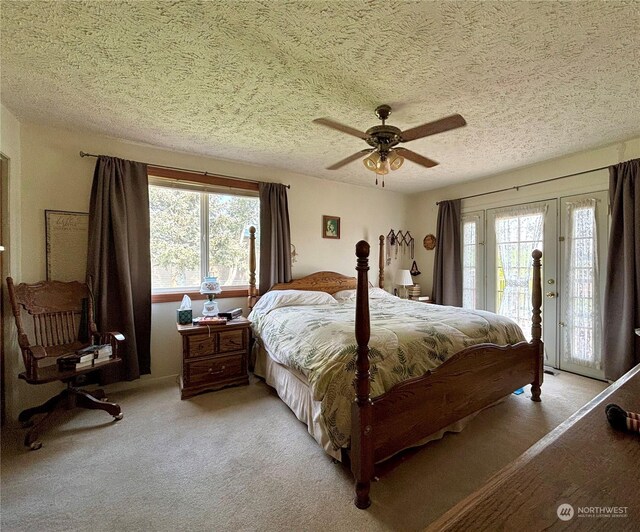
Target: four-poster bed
[(464, 382)]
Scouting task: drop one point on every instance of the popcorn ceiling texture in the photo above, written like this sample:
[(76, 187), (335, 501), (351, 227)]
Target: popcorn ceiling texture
[(243, 80)]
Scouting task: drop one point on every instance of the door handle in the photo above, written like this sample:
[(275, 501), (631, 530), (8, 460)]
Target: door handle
[(551, 294)]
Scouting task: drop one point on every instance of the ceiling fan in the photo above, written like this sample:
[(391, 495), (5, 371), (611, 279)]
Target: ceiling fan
[(384, 154)]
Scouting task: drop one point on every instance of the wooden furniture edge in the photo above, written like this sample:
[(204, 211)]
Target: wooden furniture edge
[(447, 520)]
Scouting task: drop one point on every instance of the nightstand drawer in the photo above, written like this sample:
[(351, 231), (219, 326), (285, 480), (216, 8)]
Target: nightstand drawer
[(201, 345), (232, 341), (214, 369)]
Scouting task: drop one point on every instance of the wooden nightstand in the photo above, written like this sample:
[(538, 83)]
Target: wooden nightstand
[(214, 356)]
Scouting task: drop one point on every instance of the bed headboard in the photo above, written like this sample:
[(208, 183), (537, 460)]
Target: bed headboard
[(330, 282)]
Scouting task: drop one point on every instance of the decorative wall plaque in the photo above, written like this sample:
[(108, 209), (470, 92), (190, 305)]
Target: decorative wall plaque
[(67, 235), (429, 242)]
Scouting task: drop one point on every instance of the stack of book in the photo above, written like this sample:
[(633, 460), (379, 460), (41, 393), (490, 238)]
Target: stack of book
[(414, 291), (87, 357)]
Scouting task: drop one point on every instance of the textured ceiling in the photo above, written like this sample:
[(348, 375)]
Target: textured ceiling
[(244, 80)]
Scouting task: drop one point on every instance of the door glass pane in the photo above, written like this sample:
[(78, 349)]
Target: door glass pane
[(518, 232), (469, 260), (582, 305)]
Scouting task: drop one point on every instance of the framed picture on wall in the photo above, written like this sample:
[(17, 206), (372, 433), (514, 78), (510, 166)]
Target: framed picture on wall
[(67, 235), (330, 226)]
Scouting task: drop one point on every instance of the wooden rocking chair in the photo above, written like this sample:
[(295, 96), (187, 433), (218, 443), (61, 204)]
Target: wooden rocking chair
[(53, 319)]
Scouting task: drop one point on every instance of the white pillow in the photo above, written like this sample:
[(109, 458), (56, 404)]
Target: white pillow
[(287, 298), (350, 295)]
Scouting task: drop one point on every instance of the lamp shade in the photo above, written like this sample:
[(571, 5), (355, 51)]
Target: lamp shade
[(403, 278), (210, 285)]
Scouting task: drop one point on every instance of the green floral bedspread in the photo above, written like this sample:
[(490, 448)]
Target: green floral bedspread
[(407, 340)]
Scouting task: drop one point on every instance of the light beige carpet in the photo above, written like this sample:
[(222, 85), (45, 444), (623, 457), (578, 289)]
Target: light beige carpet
[(238, 459)]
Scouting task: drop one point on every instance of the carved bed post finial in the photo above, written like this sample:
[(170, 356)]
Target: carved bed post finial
[(252, 268), (536, 322), (381, 262), (361, 412)]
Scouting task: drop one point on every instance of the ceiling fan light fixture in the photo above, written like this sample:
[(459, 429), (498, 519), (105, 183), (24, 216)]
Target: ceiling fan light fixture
[(382, 168), (395, 160), (371, 162)]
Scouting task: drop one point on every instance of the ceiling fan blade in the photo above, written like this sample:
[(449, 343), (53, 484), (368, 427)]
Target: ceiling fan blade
[(340, 127), (349, 159), (416, 158), (439, 126)]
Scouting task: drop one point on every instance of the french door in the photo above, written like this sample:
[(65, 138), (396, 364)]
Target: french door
[(572, 234), (583, 250), (512, 234)]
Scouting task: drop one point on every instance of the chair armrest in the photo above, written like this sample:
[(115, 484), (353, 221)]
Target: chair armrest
[(38, 352), (115, 339), (110, 337)]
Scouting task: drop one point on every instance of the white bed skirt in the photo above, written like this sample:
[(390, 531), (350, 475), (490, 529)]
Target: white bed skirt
[(293, 388)]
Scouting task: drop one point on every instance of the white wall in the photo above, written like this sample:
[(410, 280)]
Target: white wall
[(10, 148), (422, 211), (54, 176)]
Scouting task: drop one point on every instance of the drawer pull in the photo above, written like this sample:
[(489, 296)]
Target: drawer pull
[(221, 370)]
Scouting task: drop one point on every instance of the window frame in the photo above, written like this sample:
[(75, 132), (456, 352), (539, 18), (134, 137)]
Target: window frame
[(207, 183)]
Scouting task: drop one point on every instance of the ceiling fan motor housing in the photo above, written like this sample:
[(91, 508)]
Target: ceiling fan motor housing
[(383, 137)]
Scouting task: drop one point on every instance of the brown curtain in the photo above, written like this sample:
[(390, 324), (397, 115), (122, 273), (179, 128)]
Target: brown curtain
[(620, 344), (447, 269), (119, 263), (275, 236)]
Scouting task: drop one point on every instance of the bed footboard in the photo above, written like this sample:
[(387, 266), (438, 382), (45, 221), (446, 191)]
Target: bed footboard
[(469, 381), (412, 410)]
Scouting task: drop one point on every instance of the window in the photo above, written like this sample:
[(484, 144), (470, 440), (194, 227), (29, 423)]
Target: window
[(473, 260), (199, 229)]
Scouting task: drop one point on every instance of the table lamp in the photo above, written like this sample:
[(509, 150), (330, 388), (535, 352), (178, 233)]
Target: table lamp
[(403, 278), (211, 287)]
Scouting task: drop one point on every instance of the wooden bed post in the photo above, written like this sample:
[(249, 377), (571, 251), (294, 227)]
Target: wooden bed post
[(536, 321), (251, 300), (361, 410), (381, 262)]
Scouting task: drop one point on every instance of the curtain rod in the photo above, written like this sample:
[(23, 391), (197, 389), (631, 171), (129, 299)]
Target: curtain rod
[(84, 154), (518, 187)]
